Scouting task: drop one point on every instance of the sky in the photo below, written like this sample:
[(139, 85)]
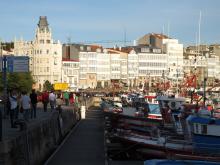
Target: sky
[(98, 21)]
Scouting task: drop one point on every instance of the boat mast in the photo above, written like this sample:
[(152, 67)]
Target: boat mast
[(204, 76)]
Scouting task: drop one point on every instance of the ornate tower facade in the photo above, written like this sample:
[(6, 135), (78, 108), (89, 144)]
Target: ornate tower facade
[(45, 55), (43, 33)]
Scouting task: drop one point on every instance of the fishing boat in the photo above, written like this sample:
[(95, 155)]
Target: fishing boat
[(183, 133), (139, 118)]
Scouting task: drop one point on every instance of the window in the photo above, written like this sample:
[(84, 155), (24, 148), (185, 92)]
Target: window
[(48, 41), (145, 50), (55, 61), (197, 128), (204, 129), (81, 48)]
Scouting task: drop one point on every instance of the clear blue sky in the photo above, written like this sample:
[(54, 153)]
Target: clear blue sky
[(95, 20)]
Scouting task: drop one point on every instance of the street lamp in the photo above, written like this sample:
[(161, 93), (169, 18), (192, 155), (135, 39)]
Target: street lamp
[(148, 78), (177, 79), (163, 76)]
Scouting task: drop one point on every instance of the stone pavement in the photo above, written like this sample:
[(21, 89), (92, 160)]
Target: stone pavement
[(8, 132)]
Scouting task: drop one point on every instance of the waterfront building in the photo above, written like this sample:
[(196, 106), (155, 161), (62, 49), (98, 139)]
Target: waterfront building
[(174, 51), (146, 65), (203, 61), (151, 39), (103, 69), (45, 54), (118, 66), (70, 73), (169, 46), (214, 51), (94, 65), (88, 66), (132, 68), (152, 63)]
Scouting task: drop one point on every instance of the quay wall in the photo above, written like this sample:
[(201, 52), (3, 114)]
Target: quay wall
[(34, 145)]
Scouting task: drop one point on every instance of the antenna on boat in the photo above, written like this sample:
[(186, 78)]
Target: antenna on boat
[(124, 35), (200, 15), (163, 73)]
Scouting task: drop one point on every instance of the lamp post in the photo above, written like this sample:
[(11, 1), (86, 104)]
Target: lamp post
[(4, 78), (148, 78), (177, 80), (4, 98), (163, 76)]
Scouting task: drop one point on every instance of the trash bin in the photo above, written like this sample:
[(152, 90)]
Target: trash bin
[(83, 112)]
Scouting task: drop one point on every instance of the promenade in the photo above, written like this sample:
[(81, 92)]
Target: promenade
[(9, 133), (40, 137)]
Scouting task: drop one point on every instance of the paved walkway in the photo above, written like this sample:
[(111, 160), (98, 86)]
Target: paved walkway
[(8, 132), (85, 144)]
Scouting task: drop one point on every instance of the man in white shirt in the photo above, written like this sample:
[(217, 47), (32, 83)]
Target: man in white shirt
[(52, 99), (25, 103)]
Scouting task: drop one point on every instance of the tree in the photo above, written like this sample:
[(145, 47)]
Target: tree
[(18, 81), (48, 86)]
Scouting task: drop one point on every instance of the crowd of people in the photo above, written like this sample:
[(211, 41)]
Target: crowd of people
[(21, 103), (26, 104)]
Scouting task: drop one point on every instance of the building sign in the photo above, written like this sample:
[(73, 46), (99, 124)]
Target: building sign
[(60, 86), (10, 63), (16, 64), (21, 64)]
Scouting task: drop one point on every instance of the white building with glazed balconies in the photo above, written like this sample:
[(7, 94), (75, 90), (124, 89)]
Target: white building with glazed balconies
[(174, 52)]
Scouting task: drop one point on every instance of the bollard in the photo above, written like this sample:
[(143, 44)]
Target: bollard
[(83, 112)]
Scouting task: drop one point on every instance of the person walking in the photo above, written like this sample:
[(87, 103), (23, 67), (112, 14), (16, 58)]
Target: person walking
[(33, 97), (71, 98), (52, 99), (59, 103), (25, 103), (45, 100), (13, 107), (66, 98)]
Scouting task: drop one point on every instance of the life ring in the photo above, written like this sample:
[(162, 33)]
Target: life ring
[(174, 105)]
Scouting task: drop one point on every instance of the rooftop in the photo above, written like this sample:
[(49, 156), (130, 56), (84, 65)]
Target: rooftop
[(43, 22)]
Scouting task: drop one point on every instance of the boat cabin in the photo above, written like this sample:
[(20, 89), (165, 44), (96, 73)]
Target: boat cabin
[(171, 109), (205, 133)]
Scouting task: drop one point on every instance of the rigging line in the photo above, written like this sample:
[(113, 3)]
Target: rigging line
[(106, 41)]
